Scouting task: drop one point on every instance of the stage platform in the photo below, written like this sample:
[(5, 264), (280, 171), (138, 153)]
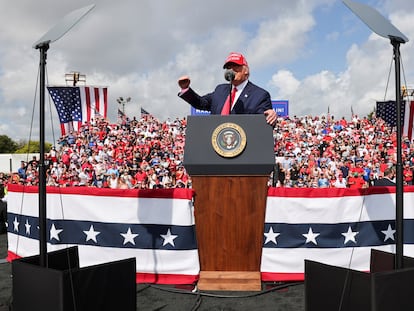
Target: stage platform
[(275, 297)]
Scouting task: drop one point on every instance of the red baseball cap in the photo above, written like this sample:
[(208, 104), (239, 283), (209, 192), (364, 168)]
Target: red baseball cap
[(235, 58)]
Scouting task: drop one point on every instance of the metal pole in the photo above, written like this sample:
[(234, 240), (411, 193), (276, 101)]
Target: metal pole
[(42, 170), (399, 193)]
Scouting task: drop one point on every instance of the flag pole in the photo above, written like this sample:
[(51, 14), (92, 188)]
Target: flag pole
[(399, 193), (42, 169)]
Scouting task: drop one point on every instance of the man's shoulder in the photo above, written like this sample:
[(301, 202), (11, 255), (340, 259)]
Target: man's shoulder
[(251, 87), (222, 86), (383, 182)]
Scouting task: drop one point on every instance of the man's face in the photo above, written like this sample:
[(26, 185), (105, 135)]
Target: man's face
[(241, 73)]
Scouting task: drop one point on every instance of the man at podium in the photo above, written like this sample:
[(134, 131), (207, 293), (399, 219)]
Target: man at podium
[(240, 96), (229, 159)]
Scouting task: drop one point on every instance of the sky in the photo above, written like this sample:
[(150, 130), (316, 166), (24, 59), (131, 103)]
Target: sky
[(317, 54)]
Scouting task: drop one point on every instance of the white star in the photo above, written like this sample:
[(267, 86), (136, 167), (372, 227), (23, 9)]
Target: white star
[(27, 225), (54, 233), (271, 236), (129, 237), (311, 237), (16, 224), (350, 235), (389, 233), (168, 238), (91, 234)]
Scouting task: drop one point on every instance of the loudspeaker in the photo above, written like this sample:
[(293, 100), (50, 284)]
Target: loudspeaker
[(64, 286), (335, 288)]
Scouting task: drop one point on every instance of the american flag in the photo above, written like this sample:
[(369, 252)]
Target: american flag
[(144, 112), (387, 110), (120, 114), (76, 105), (409, 120)]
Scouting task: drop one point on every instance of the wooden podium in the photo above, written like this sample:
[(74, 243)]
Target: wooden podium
[(230, 183)]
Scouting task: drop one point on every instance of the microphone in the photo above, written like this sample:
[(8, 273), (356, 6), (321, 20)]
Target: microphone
[(229, 75)]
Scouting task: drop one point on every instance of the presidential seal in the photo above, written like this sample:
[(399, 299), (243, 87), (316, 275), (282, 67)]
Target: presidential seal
[(228, 140)]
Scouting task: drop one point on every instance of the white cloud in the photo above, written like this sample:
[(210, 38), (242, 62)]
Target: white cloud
[(280, 40), (286, 83)]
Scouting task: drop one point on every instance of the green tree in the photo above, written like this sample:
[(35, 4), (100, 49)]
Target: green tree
[(7, 145), (32, 147), (371, 114)]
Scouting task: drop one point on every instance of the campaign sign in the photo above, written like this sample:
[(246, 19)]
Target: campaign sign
[(199, 112), (281, 107)]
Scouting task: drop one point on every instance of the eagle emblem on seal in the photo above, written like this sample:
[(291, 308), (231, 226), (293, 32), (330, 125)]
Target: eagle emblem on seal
[(228, 140)]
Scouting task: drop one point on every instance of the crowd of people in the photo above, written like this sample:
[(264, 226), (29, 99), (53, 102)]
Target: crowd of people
[(322, 152), (145, 153)]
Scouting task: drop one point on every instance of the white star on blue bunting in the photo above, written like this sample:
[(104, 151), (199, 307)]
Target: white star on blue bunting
[(389, 233), (91, 234), (16, 224), (271, 236), (129, 237), (349, 235), (311, 237), (28, 226), (54, 233), (168, 238)]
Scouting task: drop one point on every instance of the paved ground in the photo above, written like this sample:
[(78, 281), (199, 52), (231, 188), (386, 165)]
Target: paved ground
[(283, 297)]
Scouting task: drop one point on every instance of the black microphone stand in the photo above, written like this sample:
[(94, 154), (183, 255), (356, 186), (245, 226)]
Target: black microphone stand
[(231, 99), (229, 76)]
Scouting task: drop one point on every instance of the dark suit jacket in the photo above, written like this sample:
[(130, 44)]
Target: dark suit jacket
[(384, 182), (253, 99)]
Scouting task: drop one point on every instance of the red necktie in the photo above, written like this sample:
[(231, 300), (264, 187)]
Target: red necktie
[(227, 105)]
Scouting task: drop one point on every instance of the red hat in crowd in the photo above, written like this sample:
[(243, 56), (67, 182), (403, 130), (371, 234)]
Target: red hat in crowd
[(235, 58)]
